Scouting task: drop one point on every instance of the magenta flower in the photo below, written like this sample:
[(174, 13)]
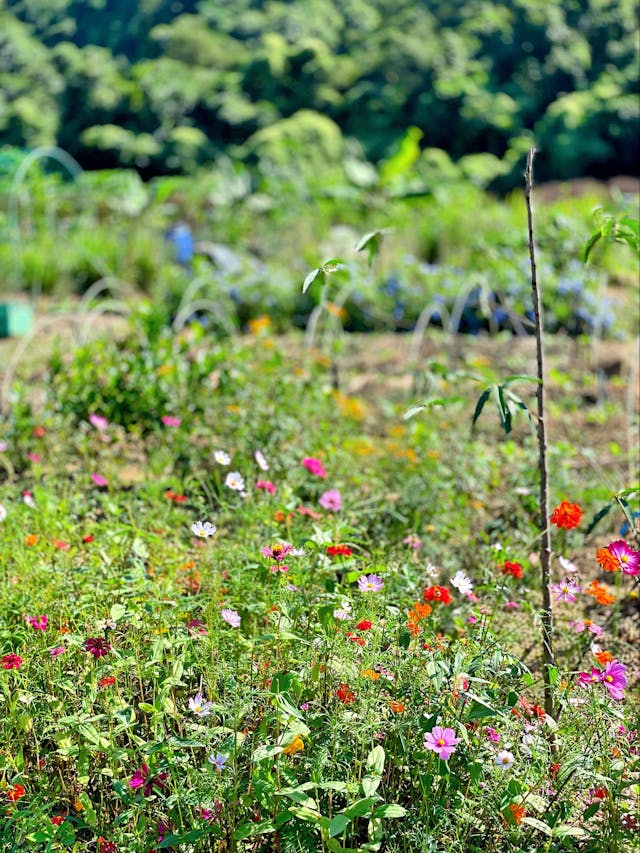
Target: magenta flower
[(99, 422), (331, 500), (34, 457), (370, 583), (141, 777), (314, 466), (38, 622), (11, 661), (586, 679), (566, 591), (628, 558), (614, 678), (279, 551), (97, 646), (99, 480), (56, 650), (171, 421), (441, 741), (267, 486), (587, 625)]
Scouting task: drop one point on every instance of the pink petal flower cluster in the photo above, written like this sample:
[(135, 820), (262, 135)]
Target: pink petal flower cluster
[(314, 466), (331, 500), (39, 623), (613, 677)]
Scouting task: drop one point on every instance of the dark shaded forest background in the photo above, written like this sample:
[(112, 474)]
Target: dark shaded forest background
[(165, 86)]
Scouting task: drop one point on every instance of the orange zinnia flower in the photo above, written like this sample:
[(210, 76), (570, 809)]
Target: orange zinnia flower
[(517, 812), (606, 559), (599, 593), (296, 745), (566, 515), (30, 540), (370, 673), (603, 657), (397, 707)]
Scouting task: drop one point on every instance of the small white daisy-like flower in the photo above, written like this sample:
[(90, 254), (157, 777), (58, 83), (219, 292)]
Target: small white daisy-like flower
[(234, 481), (431, 571), (504, 759), (199, 706), (203, 529), (3, 513), (221, 457), (462, 583), (567, 565)]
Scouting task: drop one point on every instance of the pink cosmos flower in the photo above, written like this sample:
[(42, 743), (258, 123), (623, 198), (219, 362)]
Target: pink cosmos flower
[(99, 480), (314, 466), (586, 679), (262, 462), (279, 551), (628, 558), (99, 422), (413, 541), (267, 485), (34, 457), (587, 625), (57, 650), (171, 421), (141, 777), (566, 591), (38, 622), (231, 617), (614, 678), (331, 500), (441, 741), (370, 583)]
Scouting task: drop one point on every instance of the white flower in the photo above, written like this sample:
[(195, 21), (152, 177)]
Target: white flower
[(343, 612), (3, 513), (262, 462), (199, 705), (221, 457), (504, 759), (496, 546), (567, 565), (234, 481), (462, 583), (431, 571), (106, 625), (203, 529)]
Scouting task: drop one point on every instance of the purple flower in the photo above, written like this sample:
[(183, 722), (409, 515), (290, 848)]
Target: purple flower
[(97, 646), (370, 583), (566, 591), (56, 650), (441, 741), (141, 777), (331, 500), (200, 706), (218, 760), (614, 678)]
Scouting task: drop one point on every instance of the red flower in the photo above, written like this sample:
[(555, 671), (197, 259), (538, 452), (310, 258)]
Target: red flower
[(364, 625), (345, 694), (106, 846), (98, 646), (339, 551), (88, 538), (359, 641), (56, 820), (107, 681), (513, 569), (437, 593), (172, 496), (15, 792), (61, 546), (566, 515), (39, 431), (11, 661)]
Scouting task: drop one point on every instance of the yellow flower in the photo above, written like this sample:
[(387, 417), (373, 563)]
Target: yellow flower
[(259, 324), (296, 745)]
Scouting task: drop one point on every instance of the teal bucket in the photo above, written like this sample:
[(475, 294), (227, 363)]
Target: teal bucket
[(16, 319)]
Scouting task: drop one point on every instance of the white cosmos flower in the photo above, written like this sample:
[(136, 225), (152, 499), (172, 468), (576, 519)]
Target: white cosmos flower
[(3, 513), (504, 759), (221, 457), (203, 528), (462, 583), (234, 481)]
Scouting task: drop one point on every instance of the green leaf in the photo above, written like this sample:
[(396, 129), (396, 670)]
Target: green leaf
[(537, 824), (245, 830), (313, 275), (482, 400), (412, 411), (589, 812), (338, 825), (597, 518), (478, 710), (332, 265), (117, 611), (503, 411), (591, 243), (66, 833), (375, 761), (390, 810), (88, 812), (370, 242), (370, 785)]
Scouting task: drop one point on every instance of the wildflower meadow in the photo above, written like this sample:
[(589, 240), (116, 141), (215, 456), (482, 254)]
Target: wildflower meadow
[(272, 590)]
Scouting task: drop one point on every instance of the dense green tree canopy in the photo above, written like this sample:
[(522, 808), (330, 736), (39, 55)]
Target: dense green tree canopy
[(166, 85)]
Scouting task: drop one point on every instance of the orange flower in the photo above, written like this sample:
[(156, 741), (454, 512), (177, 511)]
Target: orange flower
[(566, 515), (517, 812), (345, 694), (30, 540), (599, 593), (15, 792), (296, 745), (606, 559), (397, 707), (603, 657), (419, 612), (370, 673)]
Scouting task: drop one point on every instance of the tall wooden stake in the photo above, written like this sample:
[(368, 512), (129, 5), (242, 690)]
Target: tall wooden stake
[(545, 535)]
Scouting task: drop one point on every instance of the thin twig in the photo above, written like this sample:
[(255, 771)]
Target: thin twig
[(545, 534)]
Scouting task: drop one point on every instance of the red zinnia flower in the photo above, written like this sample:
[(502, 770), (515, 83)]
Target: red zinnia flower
[(15, 792), (11, 661), (566, 515), (513, 569), (339, 551), (345, 694), (172, 496), (359, 641), (364, 625), (56, 820), (437, 593), (107, 681)]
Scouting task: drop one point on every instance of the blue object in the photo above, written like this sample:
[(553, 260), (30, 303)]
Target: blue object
[(181, 239)]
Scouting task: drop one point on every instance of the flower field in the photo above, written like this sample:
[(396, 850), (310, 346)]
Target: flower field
[(246, 610)]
